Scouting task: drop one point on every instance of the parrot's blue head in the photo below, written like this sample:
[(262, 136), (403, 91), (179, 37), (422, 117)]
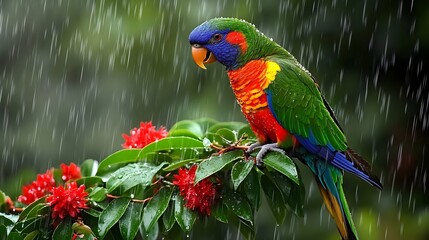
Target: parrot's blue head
[(221, 39)]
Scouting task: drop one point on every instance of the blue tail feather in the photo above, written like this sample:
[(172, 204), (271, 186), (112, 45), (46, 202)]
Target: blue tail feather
[(336, 158)]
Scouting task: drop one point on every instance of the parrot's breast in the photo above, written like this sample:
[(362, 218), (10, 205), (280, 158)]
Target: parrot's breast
[(248, 84)]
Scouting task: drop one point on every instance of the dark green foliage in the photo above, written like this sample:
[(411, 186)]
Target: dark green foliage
[(133, 196)]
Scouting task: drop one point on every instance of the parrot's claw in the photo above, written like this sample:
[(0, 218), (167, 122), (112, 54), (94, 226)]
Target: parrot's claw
[(264, 149), (253, 147)]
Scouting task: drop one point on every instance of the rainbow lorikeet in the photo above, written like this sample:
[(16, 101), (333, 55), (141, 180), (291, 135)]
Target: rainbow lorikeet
[(284, 107)]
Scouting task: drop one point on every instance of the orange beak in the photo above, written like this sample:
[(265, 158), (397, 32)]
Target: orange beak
[(201, 56)]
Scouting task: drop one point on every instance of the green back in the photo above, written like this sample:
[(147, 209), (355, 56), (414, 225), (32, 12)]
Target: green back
[(299, 106)]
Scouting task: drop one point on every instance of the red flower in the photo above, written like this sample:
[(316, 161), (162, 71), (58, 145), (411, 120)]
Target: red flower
[(67, 201), (142, 136), (38, 188), (70, 172), (198, 197)]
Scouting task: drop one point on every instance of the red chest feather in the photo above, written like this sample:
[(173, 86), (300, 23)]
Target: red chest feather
[(248, 84)]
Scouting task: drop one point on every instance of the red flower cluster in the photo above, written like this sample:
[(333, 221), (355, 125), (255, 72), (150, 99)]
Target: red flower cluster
[(67, 201), (198, 197), (70, 172), (142, 136), (45, 182), (37, 189)]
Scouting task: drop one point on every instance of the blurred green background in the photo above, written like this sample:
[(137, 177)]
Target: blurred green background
[(75, 75)]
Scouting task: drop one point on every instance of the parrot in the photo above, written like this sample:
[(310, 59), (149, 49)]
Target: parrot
[(284, 107)]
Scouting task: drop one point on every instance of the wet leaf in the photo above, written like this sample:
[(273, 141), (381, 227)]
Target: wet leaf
[(89, 181), (168, 217), (186, 128), (30, 224), (156, 207), (184, 216), (251, 188), (92, 212), (236, 126), (239, 172), (88, 167), (274, 199), (111, 215), (215, 163), (39, 209), (239, 206), (132, 175), (63, 230), (248, 131), (32, 235), (245, 228), (98, 194), (220, 212), (150, 234), (282, 164), (30, 207), (225, 136), (178, 164), (130, 222), (117, 159)]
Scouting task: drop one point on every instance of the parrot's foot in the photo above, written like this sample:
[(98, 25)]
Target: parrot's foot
[(253, 147), (264, 149)]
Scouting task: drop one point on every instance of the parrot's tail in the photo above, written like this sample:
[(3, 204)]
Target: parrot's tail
[(330, 179), (339, 211)]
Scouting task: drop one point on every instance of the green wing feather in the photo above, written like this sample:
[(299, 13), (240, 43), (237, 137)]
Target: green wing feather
[(299, 106)]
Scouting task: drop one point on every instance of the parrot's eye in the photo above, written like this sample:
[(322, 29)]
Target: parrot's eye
[(196, 45), (216, 38)]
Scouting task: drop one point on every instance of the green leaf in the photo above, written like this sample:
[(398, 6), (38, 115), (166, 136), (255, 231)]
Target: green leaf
[(245, 228), (274, 199), (220, 212), (88, 167), (239, 172), (248, 131), (156, 207), (236, 126), (32, 235), (282, 164), (92, 212), (63, 230), (30, 224), (225, 136), (98, 194), (215, 163), (130, 222), (296, 198), (251, 188), (111, 215), (205, 123), (178, 164), (132, 175), (186, 128), (8, 219), (152, 233), (30, 207), (14, 236), (239, 206), (168, 217), (184, 216), (117, 159), (89, 181), (3, 232), (39, 209), (81, 228), (157, 158)]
